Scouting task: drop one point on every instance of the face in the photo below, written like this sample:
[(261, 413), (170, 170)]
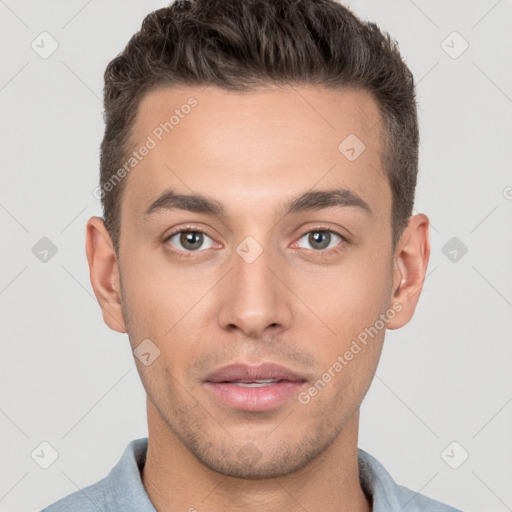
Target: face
[(258, 298)]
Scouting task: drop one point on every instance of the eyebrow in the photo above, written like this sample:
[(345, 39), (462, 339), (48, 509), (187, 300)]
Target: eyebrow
[(309, 201)]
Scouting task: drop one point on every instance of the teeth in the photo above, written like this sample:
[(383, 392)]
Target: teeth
[(256, 383)]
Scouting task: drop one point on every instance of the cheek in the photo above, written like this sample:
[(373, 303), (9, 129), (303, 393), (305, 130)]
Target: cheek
[(349, 298), (153, 290)]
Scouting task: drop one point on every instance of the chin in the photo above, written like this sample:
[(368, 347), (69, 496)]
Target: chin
[(257, 460)]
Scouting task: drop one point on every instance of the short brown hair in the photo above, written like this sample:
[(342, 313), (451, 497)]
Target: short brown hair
[(244, 44)]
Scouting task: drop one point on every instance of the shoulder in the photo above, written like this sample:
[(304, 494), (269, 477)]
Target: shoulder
[(88, 499), (388, 495), (412, 501), (121, 489)]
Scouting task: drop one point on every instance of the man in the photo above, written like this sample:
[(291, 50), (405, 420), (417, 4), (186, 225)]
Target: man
[(257, 177)]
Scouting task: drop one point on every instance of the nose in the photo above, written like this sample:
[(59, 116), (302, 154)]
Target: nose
[(255, 297)]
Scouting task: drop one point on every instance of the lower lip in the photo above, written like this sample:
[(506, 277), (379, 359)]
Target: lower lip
[(261, 398)]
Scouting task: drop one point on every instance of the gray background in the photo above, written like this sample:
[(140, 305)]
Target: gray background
[(67, 380)]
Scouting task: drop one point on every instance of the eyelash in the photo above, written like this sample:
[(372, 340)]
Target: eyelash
[(319, 253), (316, 253)]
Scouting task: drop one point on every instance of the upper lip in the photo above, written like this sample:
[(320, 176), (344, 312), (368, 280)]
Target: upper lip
[(243, 372)]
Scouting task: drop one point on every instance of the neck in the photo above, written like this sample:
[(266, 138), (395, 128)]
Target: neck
[(176, 480)]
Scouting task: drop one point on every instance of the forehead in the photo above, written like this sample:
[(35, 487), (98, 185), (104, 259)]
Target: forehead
[(252, 148)]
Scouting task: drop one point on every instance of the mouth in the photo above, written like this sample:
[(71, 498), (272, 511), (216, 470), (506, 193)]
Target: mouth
[(253, 388), (255, 384)]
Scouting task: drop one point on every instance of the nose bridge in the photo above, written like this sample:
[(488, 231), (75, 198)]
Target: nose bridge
[(255, 298)]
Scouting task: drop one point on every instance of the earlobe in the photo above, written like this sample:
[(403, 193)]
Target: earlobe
[(411, 260), (104, 273)]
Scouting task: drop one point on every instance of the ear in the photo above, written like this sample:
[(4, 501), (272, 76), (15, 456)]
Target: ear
[(411, 260), (104, 273)]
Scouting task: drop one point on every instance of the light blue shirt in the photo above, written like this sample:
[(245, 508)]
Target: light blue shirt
[(122, 490)]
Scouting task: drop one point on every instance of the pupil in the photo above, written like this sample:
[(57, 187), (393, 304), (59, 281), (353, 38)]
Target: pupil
[(321, 237)]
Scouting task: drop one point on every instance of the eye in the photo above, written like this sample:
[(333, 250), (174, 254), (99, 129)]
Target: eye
[(320, 239), (189, 240)]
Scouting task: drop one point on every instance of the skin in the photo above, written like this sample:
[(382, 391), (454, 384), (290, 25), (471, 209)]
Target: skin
[(297, 305)]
